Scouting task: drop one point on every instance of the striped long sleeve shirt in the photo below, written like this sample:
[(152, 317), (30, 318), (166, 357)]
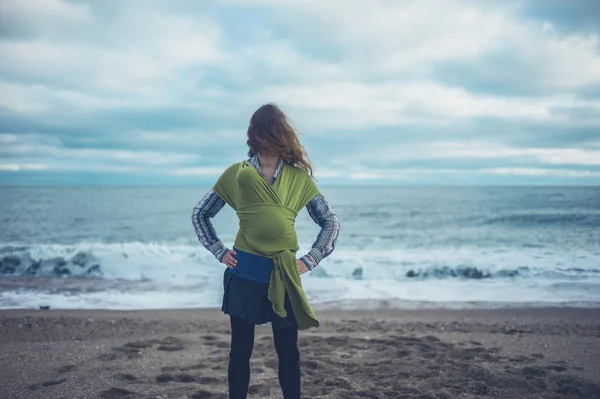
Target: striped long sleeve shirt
[(318, 209)]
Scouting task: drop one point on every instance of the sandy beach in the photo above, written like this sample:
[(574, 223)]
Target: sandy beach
[(380, 353)]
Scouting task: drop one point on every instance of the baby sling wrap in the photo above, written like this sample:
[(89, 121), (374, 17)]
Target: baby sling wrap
[(267, 215)]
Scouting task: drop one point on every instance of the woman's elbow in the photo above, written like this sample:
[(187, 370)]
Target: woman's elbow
[(334, 221), (197, 214)]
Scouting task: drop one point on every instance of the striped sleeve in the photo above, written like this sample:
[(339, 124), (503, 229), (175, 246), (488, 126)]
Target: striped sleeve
[(204, 210), (327, 219)]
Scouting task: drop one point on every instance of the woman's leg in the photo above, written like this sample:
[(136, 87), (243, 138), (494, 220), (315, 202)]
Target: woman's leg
[(242, 342), (286, 345)]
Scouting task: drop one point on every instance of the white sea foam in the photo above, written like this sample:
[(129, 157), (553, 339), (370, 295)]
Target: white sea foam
[(163, 275)]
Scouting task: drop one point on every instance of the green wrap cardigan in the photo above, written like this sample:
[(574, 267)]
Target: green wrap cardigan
[(267, 215)]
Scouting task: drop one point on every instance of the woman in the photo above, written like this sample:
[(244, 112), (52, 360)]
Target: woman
[(262, 278)]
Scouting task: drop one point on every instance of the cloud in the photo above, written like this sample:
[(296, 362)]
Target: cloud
[(120, 52), (373, 105), (462, 161), (13, 167), (542, 172), (554, 156), (383, 86), (55, 155), (415, 175), (491, 40), (208, 171)]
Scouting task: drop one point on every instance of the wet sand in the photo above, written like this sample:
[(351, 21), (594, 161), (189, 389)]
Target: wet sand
[(376, 353)]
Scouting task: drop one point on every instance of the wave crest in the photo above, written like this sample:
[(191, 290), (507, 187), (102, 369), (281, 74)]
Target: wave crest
[(81, 264), (475, 273)]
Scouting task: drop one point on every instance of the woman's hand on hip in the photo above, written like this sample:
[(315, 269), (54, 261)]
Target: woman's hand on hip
[(302, 268), (229, 260)]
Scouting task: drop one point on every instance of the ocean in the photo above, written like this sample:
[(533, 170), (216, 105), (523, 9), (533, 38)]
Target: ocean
[(411, 247)]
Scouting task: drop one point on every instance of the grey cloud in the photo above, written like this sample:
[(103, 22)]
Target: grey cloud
[(199, 101), (572, 16)]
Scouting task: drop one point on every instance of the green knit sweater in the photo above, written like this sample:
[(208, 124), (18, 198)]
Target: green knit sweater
[(267, 215)]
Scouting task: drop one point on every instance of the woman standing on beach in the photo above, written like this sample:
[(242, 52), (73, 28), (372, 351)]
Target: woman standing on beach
[(262, 279)]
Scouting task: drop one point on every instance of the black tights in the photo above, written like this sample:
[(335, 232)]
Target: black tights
[(242, 342)]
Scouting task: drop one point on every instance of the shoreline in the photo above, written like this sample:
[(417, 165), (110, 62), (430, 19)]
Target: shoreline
[(534, 352), (364, 304), (332, 308)]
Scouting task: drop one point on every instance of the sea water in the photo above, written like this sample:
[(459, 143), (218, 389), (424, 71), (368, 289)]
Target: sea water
[(135, 247)]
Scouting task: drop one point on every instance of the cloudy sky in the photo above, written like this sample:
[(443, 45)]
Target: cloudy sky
[(400, 92)]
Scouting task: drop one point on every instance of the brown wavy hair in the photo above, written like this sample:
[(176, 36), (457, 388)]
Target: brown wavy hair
[(271, 132)]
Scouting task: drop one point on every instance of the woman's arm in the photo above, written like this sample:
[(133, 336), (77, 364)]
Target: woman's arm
[(327, 219), (207, 208)]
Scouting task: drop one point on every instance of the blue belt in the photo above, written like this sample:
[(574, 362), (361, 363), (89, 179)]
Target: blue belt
[(252, 267)]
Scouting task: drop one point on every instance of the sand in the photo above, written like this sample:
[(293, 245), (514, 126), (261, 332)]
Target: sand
[(375, 353)]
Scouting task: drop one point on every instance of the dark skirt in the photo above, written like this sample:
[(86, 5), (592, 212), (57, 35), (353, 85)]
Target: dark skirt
[(250, 301)]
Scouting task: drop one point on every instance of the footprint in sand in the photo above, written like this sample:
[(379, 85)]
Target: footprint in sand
[(139, 344), (218, 344), (188, 368), (431, 338), (202, 394), (259, 389), (338, 383), (402, 353), (170, 344), (519, 359), (117, 393), (309, 364), (208, 380), (530, 372), (125, 377), (336, 342), (44, 384), (271, 363), (186, 378), (107, 357), (67, 368), (166, 344), (133, 350), (568, 385)]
